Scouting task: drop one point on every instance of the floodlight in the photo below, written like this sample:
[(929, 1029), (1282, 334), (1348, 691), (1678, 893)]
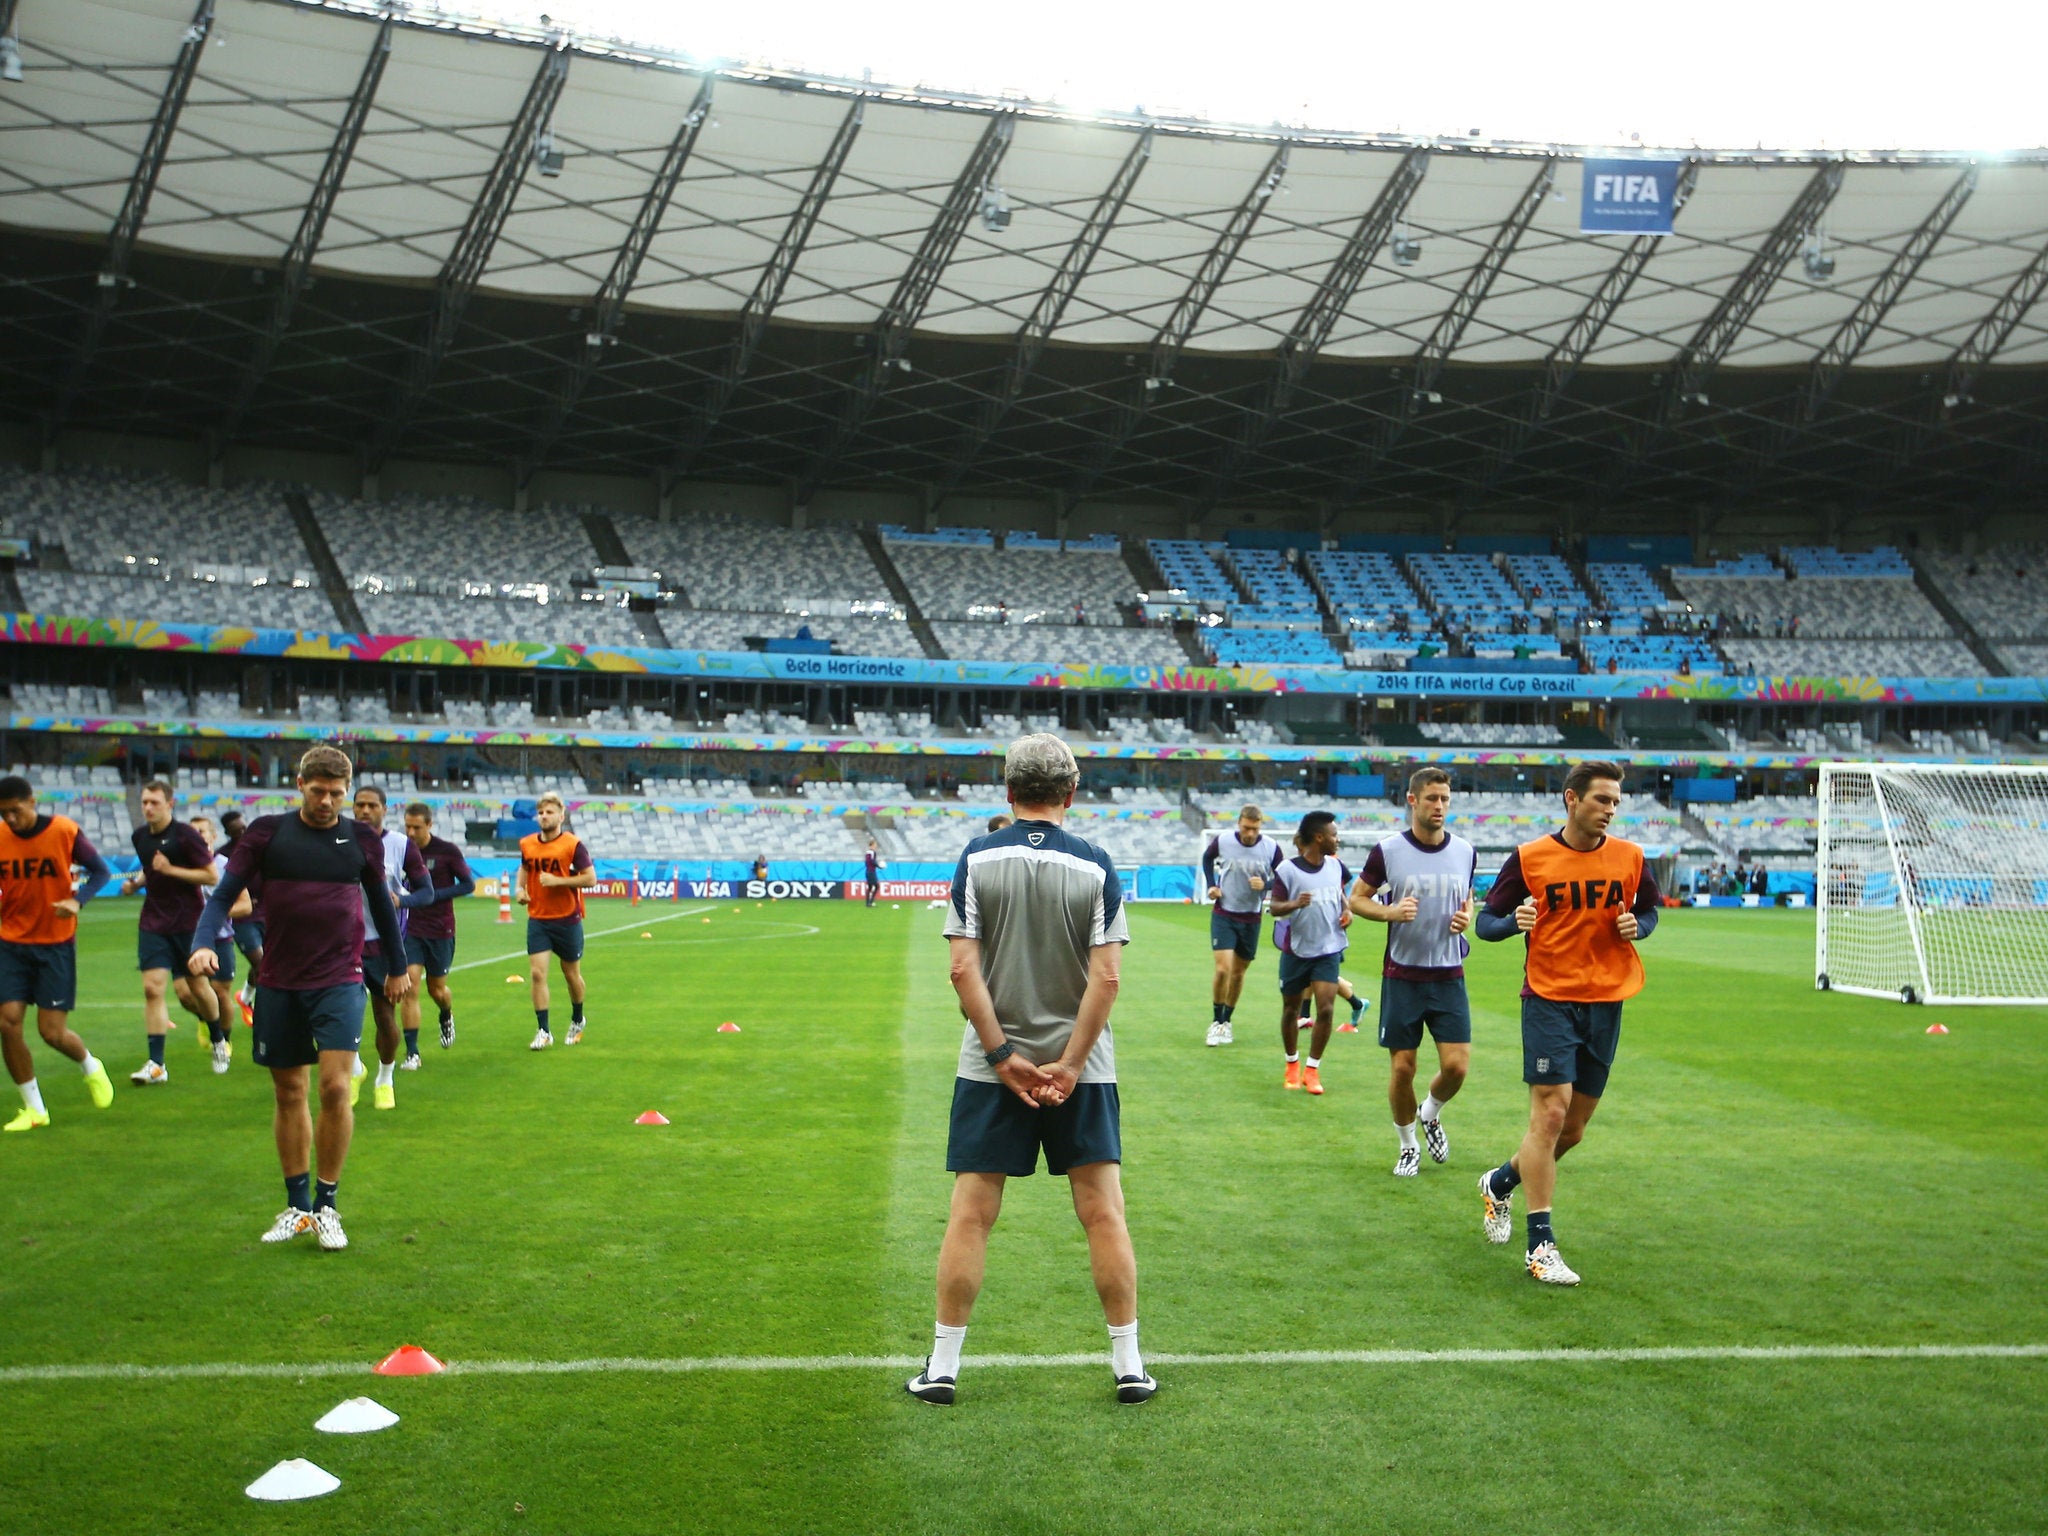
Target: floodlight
[(10, 58), (1820, 266), (1407, 250), (547, 159), (995, 209)]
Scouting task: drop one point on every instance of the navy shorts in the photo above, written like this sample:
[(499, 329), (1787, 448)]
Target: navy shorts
[(1405, 1006), (293, 1028), (1570, 1043), (223, 960), (1241, 939), (1296, 973), (162, 952), (43, 974), (993, 1131), (374, 972), (248, 936), (436, 957), (563, 935)]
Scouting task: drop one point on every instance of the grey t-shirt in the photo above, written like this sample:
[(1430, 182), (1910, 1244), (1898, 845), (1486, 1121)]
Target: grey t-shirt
[(1039, 899)]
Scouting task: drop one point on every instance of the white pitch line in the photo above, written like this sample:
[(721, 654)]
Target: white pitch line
[(735, 1364), (645, 922)]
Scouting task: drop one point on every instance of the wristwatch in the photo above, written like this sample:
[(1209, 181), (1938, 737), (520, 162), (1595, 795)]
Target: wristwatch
[(1000, 1054)]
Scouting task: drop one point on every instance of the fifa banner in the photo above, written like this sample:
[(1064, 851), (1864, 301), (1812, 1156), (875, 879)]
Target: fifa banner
[(1628, 197)]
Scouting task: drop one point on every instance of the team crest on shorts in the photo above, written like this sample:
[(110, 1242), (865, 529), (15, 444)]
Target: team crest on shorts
[(1542, 1063)]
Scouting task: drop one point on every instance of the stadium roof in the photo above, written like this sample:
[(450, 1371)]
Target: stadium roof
[(338, 227)]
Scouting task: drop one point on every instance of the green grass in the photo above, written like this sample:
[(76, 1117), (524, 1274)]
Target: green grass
[(1771, 1167)]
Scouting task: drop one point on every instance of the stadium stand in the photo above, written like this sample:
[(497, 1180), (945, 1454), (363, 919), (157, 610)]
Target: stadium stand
[(1854, 658), (1624, 587), (1254, 647), (1547, 581), (699, 629), (500, 620), (1189, 566), (2001, 593), (1649, 653), (1822, 608), (1766, 824), (1448, 735), (1081, 644), (1054, 586), (1465, 587), (2023, 660), (1273, 585)]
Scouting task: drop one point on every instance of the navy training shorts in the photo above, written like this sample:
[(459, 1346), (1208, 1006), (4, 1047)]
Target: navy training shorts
[(436, 957), (1406, 1006), (1570, 1043), (562, 935), (1241, 939), (1298, 973), (993, 1131), (293, 1028), (43, 974), (162, 951)]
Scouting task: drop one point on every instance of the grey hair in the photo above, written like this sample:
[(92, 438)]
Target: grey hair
[(1040, 770)]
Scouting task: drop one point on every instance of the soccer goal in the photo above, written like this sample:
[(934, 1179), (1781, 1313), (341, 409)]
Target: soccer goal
[(1932, 882)]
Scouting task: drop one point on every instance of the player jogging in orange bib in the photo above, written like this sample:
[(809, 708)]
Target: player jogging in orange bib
[(1583, 900), (38, 949), (554, 872)]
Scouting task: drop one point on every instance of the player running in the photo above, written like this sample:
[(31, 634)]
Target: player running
[(1419, 883), (248, 930), (872, 865), (1237, 868), (1583, 900), (222, 979), (1309, 891), (175, 864), (320, 871), (430, 930), (554, 872), (38, 942), (405, 877)]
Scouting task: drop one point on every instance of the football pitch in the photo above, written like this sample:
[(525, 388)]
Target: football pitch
[(1803, 1225)]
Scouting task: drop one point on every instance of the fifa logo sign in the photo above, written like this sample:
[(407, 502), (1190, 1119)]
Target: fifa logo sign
[(1625, 189)]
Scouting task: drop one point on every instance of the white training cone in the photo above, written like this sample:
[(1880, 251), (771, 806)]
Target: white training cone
[(294, 1479), (357, 1416)]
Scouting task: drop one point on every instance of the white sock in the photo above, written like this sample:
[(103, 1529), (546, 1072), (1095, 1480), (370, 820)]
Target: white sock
[(384, 1071), (1407, 1136), (90, 1065), (946, 1341), (1293, 1056), (32, 1096), (358, 1069), (1430, 1109), (1124, 1359), (1311, 1061)]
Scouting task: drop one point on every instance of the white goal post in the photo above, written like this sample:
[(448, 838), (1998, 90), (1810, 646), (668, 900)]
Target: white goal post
[(1932, 882)]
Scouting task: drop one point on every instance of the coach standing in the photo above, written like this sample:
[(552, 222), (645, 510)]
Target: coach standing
[(1037, 930)]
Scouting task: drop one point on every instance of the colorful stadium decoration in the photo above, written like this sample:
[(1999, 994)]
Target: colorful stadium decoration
[(149, 635)]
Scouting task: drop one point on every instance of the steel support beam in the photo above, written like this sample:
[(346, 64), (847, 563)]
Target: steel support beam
[(465, 265), (1687, 378), (760, 305), (1312, 327), (1187, 313), (1854, 333), (297, 266), (609, 307), (1449, 330), (149, 165), (1046, 314), (890, 336)]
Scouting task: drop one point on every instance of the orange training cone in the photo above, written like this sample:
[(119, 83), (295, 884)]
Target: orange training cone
[(505, 901), (409, 1360), (1937, 1029), (652, 1117), (728, 1028)]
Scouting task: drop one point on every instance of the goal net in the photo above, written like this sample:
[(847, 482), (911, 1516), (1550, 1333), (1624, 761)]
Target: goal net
[(1932, 883)]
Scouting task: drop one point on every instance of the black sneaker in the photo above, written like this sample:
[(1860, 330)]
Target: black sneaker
[(1135, 1389), (927, 1388)]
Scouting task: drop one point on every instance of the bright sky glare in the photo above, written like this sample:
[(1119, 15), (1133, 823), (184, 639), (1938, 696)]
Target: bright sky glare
[(1787, 74)]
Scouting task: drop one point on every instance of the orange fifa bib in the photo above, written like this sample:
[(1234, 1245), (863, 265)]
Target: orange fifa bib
[(1576, 953)]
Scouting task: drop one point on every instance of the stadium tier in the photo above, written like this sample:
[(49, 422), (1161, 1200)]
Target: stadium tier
[(1027, 583), (1623, 587), (1189, 566), (1082, 644), (1854, 658)]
